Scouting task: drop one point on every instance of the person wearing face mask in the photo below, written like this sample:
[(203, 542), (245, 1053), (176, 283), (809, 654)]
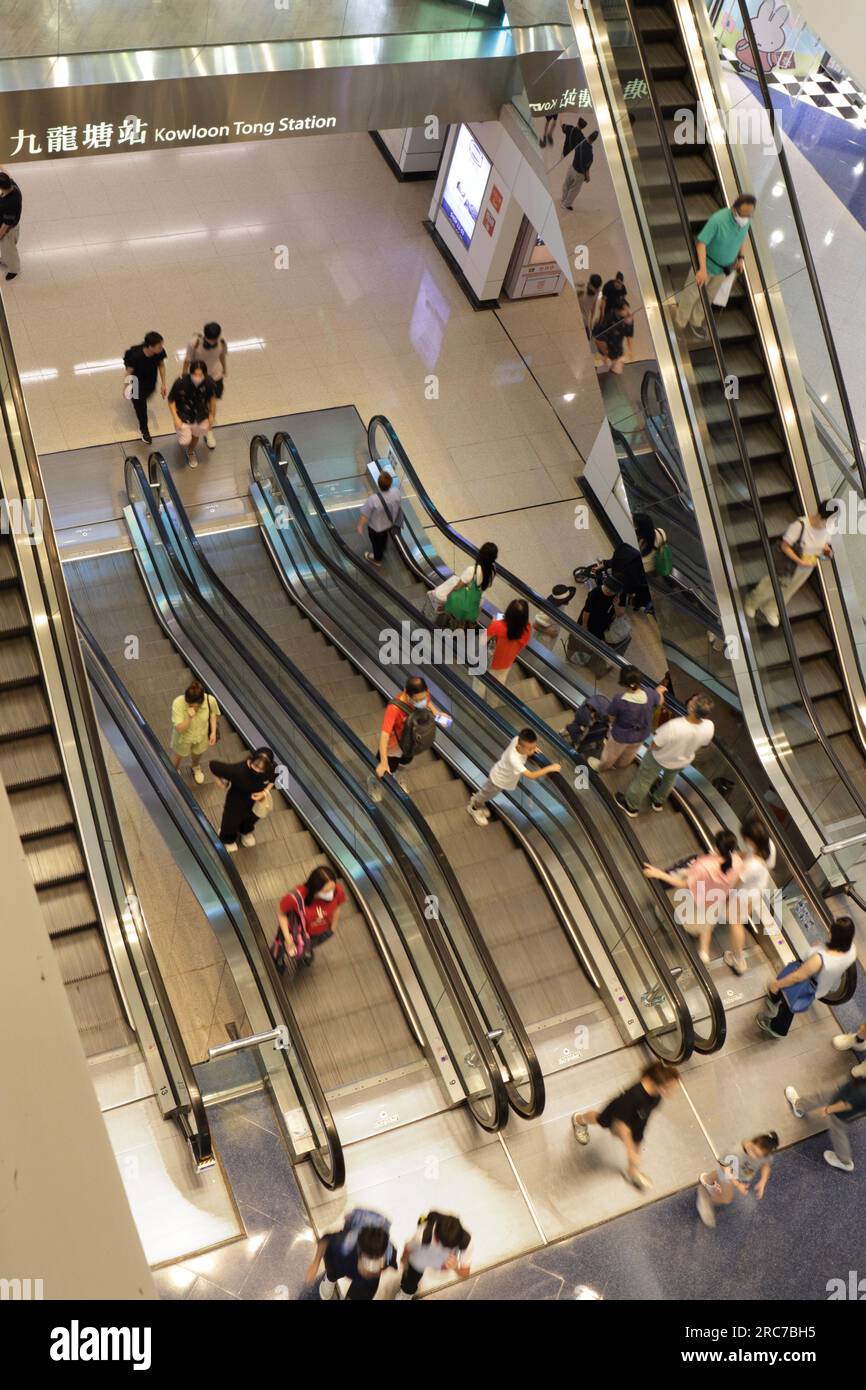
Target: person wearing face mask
[(192, 402), (720, 251), (194, 727), (408, 728), (209, 347), (247, 782), (360, 1252), (322, 897)]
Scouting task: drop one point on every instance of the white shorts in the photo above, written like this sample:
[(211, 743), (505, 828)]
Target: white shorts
[(187, 433)]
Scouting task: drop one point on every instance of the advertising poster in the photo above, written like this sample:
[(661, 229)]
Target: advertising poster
[(489, 222), (495, 198), (465, 184)]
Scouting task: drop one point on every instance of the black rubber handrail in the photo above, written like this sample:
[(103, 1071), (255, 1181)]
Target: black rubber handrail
[(172, 793), (190, 1107), (282, 440), (355, 793)]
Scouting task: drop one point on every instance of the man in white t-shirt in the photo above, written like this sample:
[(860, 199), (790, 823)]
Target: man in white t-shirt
[(802, 545), (507, 772), (673, 747)]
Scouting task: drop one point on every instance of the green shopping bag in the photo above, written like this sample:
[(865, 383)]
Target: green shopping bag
[(464, 604)]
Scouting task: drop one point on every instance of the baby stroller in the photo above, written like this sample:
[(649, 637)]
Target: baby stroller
[(588, 729)]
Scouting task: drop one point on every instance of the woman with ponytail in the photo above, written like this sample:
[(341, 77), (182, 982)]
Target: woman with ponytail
[(704, 888)]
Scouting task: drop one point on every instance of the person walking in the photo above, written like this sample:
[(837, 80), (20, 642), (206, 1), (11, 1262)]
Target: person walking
[(627, 1116), (794, 991), (719, 246), (613, 294), (192, 401), (11, 203), (630, 721), (209, 347), (750, 900), (506, 773), (708, 881), (458, 598), (589, 299), (549, 129), (440, 1242), (381, 512), (408, 728), (194, 727), (508, 636), (751, 1173), (142, 363), (578, 173), (838, 1107), (655, 553), (673, 748), (247, 782), (803, 544), (316, 905), (599, 610), (360, 1252), (612, 337)]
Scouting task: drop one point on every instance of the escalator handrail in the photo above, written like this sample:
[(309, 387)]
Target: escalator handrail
[(808, 260), (190, 1108), (715, 344), (171, 789), (160, 471), (283, 440)]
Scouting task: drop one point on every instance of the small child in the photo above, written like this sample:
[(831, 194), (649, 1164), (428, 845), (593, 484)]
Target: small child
[(717, 1189)]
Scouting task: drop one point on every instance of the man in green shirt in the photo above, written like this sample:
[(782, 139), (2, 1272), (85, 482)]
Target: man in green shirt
[(719, 245)]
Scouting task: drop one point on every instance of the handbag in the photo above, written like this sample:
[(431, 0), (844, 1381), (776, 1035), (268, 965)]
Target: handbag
[(801, 996), (464, 604), (264, 806), (211, 704), (723, 293)]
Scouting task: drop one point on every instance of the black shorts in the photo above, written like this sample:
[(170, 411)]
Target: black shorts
[(218, 389), (611, 1113)]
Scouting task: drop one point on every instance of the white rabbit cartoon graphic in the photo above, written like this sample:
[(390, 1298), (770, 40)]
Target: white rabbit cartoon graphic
[(769, 29)]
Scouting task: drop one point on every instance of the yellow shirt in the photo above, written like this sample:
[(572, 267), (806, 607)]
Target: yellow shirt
[(199, 725)]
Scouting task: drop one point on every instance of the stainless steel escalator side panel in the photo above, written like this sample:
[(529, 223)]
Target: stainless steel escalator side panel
[(607, 98), (324, 825), (792, 397)]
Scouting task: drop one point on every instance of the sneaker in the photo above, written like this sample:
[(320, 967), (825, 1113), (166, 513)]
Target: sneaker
[(192, 460), (624, 806), (232, 849), (12, 275), (594, 763), (638, 1180), (479, 814), (859, 1071), (657, 805), (771, 619), (766, 1026), (793, 1099), (706, 1210), (368, 555), (327, 1290), (836, 1162), (210, 439), (735, 963), (581, 1130), (843, 1041), (198, 775), (145, 437), (705, 957), (771, 1005), (749, 610), (248, 841), (710, 1181)]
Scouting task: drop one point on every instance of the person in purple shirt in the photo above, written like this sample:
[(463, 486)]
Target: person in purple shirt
[(630, 717)]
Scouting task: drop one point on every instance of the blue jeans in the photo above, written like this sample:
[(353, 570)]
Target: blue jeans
[(648, 772)]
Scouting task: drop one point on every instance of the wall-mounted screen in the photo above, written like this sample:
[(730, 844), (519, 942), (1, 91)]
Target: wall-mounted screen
[(465, 183)]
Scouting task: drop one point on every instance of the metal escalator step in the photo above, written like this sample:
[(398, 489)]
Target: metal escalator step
[(29, 761), (733, 324), (441, 796), (797, 728), (762, 442), (511, 871), (68, 907), (94, 1001), (740, 361), (81, 955), (18, 662), (24, 711), (41, 810), (434, 772), (54, 859), (771, 479), (811, 637), (296, 844), (526, 688), (8, 570), (665, 60), (672, 95), (105, 1037), (753, 404), (822, 679), (14, 619), (652, 19), (349, 707)]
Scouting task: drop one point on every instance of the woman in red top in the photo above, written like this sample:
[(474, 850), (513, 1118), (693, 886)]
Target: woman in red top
[(509, 634), (322, 897)]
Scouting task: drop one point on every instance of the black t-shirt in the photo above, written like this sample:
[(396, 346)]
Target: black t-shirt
[(633, 1108), (614, 293), (191, 401), (136, 360), (584, 154), (10, 206), (626, 563), (599, 607)]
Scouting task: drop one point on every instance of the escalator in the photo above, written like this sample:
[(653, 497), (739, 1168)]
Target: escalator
[(295, 1088), (716, 794), (796, 684), (52, 765), (380, 1012), (534, 916)]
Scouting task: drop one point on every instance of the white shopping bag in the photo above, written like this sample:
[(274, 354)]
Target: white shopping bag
[(723, 293)]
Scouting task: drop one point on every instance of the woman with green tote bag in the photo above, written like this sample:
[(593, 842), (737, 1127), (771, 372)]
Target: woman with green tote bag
[(463, 603)]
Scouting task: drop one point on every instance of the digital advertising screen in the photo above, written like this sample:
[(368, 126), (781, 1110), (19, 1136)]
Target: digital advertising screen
[(465, 184)]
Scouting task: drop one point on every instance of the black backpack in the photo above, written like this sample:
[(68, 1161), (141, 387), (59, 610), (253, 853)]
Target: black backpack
[(419, 731)]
